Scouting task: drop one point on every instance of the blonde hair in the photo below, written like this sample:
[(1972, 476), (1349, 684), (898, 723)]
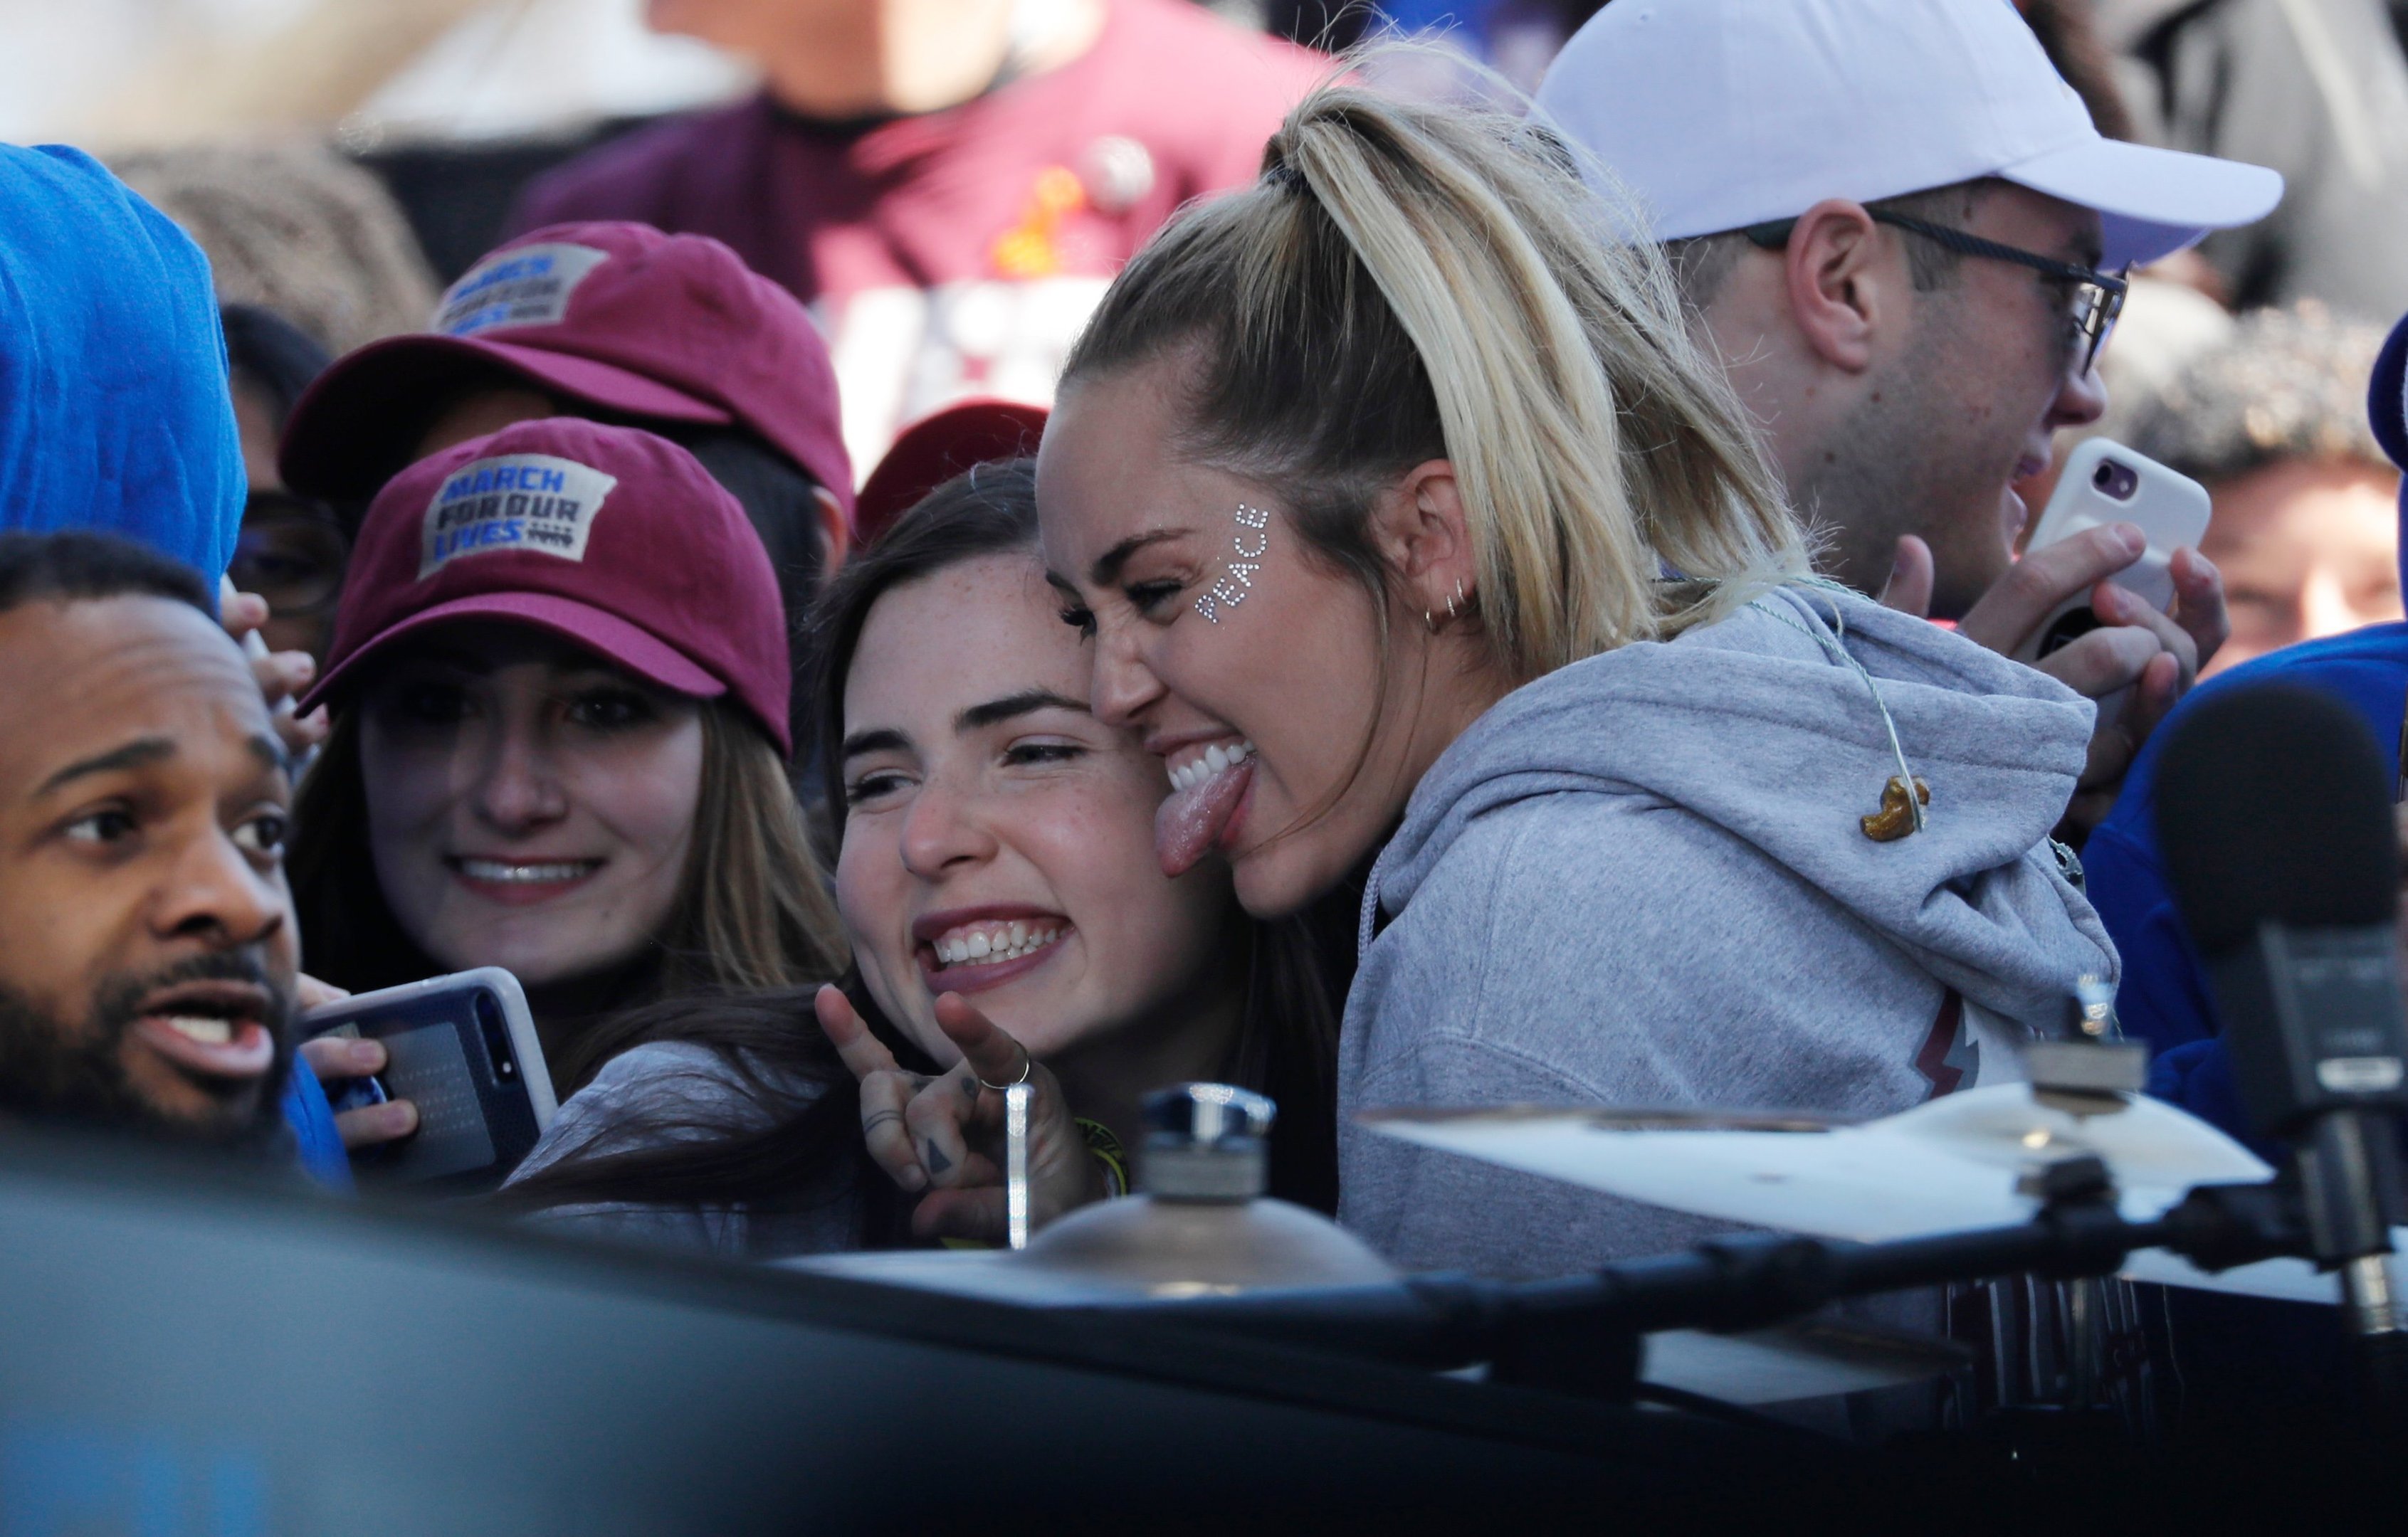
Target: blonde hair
[(1412, 282), (756, 911)]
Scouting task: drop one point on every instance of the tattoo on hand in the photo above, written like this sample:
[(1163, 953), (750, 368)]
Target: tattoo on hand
[(970, 1088), (937, 1160), (881, 1119)]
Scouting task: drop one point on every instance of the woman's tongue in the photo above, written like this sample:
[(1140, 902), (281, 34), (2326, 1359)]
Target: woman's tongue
[(1192, 820)]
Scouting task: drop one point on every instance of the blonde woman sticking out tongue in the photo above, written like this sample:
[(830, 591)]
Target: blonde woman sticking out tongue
[(1407, 520)]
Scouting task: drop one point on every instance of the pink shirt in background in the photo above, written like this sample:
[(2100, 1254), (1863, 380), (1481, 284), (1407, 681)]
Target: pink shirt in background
[(959, 254)]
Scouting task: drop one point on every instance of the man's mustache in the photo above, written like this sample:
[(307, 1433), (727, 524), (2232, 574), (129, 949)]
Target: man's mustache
[(120, 998)]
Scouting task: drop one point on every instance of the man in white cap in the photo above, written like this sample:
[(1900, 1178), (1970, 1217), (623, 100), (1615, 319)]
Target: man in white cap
[(1898, 227)]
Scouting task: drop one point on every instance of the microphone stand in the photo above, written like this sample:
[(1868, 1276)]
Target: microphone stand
[(1581, 1335), (2347, 1175)]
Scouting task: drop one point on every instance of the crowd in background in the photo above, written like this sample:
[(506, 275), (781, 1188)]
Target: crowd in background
[(1094, 545)]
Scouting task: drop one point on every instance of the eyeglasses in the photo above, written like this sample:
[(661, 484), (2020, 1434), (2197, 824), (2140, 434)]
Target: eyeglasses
[(2097, 297), (290, 552)]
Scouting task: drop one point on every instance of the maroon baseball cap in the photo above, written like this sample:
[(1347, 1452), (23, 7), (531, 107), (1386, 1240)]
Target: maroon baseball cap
[(938, 447), (607, 536), (614, 315)]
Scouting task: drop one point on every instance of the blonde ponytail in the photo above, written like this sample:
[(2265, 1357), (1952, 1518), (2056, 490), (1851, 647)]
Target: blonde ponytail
[(1412, 282)]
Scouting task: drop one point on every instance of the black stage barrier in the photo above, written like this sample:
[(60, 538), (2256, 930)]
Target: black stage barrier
[(190, 1349)]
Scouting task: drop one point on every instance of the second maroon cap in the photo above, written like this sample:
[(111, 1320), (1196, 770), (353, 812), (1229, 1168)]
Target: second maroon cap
[(938, 447), (607, 536), (611, 314)]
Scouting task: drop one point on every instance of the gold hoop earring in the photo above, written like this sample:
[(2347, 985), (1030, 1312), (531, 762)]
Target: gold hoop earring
[(1453, 601)]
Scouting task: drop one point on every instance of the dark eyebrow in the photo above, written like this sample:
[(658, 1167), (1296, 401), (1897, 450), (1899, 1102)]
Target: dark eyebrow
[(877, 741), (997, 710), (150, 749), (271, 754), (158, 749), (1107, 569)]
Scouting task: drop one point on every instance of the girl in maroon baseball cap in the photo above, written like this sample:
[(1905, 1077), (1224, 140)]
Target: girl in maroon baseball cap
[(559, 690)]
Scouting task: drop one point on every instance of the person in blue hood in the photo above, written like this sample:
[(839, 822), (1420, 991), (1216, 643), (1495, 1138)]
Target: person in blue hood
[(114, 412), (2238, 1353), (2164, 999)]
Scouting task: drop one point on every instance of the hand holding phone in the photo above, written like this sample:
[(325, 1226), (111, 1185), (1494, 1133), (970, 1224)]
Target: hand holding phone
[(2105, 483), (461, 1051)]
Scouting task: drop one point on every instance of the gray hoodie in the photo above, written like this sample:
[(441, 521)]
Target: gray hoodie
[(662, 1094), (1640, 880)]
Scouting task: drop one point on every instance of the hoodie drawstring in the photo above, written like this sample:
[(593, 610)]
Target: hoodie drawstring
[(1905, 796)]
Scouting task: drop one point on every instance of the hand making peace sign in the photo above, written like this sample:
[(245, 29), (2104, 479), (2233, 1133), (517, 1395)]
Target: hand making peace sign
[(944, 1133)]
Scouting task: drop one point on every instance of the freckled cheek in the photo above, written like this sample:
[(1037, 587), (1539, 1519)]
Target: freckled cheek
[(1090, 839), (1143, 934), (871, 884), (872, 891)]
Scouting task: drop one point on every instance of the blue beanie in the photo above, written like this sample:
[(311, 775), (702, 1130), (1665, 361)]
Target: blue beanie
[(114, 410)]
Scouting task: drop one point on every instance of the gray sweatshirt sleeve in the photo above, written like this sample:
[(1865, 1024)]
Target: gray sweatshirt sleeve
[(1577, 950), (654, 1096)]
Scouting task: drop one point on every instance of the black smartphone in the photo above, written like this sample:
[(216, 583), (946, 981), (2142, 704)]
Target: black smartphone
[(463, 1050)]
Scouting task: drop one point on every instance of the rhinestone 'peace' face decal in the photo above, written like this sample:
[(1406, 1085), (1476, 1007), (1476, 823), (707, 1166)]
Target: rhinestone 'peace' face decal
[(1251, 542)]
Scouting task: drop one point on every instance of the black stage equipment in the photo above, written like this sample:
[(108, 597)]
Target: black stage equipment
[(2275, 813), (188, 1350), (1579, 1334)]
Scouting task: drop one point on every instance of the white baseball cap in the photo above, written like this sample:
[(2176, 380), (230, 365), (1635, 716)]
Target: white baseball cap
[(1720, 114)]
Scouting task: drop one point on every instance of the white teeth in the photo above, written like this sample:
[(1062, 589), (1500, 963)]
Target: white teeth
[(202, 1028), (526, 874), (1006, 942), (1218, 759)]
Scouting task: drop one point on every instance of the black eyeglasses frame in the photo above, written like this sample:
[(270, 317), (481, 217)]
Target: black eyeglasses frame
[(2095, 317)]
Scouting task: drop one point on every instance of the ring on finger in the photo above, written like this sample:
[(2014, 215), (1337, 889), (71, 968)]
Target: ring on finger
[(1026, 1063)]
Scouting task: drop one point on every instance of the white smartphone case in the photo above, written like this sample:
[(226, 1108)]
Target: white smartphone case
[(2105, 482)]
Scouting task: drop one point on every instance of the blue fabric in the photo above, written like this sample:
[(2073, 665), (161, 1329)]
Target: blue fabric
[(114, 410), (1418, 16), (318, 1144), (2164, 998), (2230, 1350), (2241, 1350)]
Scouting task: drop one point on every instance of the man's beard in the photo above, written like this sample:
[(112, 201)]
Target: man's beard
[(1905, 463), (48, 1071)]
